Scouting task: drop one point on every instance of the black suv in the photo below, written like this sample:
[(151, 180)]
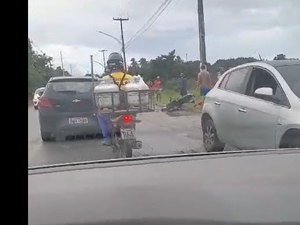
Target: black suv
[(67, 108)]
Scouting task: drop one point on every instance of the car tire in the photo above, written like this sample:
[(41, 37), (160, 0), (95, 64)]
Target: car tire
[(291, 139), (295, 143), (46, 137), (35, 107), (211, 141)]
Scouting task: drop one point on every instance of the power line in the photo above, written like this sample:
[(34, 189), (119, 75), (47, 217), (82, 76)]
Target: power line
[(170, 9), (158, 12)]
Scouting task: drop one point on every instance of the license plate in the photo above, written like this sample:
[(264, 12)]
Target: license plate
[(127, 134), (78, 120)]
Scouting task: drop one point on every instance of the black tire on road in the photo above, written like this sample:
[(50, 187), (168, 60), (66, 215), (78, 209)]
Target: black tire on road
[(35, 107), (46, 137), (211, 141), (294, 141), (291, 139)]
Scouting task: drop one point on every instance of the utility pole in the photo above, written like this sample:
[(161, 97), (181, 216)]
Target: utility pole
[(62, 63), (202, 47), (103, 54), (122, 38), (71, 70), (92, 70), (92, 74)]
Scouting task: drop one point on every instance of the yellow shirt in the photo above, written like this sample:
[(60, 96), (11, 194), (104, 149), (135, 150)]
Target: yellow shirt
[(118, 77)]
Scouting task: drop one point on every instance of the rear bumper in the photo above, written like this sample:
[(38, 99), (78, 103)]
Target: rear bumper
[(58, 124)]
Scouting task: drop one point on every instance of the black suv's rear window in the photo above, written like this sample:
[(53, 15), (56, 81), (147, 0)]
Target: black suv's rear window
[(75, 86)]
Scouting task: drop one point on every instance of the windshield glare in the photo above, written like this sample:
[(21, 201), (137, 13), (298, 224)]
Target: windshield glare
[(291, 74)]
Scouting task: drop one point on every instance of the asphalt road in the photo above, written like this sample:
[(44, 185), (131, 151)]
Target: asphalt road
[(160, 134)]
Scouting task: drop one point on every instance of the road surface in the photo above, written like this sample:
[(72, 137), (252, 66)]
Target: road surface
[(160, 134)]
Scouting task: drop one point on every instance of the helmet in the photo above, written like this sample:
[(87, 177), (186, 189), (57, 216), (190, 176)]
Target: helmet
[(115, 61)]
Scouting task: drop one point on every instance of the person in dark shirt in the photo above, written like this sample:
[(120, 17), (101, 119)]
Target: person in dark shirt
[(182, 85)]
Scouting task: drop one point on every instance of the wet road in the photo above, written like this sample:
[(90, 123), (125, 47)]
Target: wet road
[(160, 134)]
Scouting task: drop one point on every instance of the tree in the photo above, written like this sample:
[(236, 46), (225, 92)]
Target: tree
[(169, 66), (40, 69)]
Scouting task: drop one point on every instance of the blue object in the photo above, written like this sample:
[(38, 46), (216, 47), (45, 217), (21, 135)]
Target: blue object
[(105, 124), (204, 91)]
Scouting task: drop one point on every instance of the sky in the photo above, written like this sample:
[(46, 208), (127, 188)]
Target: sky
[(234, 28)]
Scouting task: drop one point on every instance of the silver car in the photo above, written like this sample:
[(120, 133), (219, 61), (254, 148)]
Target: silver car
[(254, 106)]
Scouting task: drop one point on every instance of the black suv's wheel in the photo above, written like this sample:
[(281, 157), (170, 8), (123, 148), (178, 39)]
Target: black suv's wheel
[(211, 141), (46, 137), (35, 107)]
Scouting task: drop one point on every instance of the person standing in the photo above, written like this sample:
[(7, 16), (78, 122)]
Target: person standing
[(204, 81), (157, 86), (204, 84), (182, 85)]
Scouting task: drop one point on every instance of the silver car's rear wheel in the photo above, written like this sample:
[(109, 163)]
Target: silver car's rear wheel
[(210, 138)]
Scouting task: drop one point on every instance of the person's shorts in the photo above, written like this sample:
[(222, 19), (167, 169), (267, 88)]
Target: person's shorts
[(204, 91)]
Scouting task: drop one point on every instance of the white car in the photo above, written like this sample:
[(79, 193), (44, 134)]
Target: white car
[(254, 106), (37, 94)]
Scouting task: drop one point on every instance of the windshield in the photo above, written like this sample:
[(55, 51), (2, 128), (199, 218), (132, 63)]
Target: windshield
[(138, 80), (67, 86), (175, 97), (291, 74)]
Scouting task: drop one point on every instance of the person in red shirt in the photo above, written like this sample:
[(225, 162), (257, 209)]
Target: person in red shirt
[(158, 88), (150, 84)]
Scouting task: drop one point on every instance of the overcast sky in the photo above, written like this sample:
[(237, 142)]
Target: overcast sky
[(233, 28)]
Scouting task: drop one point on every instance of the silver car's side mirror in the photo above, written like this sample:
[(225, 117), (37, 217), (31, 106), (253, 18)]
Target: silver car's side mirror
[(264, 91)]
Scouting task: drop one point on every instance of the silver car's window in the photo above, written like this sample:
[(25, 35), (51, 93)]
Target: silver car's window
[(291, 74), (224, 81), (261, 78), (236, 79)]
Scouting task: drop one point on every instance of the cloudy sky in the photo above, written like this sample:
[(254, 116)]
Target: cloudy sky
[(233, 28)]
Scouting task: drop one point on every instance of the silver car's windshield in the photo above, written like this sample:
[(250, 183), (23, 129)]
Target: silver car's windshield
[(291, 74)]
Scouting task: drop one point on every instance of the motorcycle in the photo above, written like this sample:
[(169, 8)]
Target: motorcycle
[(178, 103), (123, 119), (123, 130)]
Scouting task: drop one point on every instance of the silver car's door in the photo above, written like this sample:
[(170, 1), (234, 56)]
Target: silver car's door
[(231, 91), (257, 115)]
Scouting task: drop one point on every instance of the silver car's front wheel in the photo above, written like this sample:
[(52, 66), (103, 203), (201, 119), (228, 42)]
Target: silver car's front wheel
[(210, 138)]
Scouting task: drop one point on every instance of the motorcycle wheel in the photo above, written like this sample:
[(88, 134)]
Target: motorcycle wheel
[(127, 149)]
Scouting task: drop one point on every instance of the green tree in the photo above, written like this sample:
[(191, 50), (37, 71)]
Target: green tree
[(40, 69)]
